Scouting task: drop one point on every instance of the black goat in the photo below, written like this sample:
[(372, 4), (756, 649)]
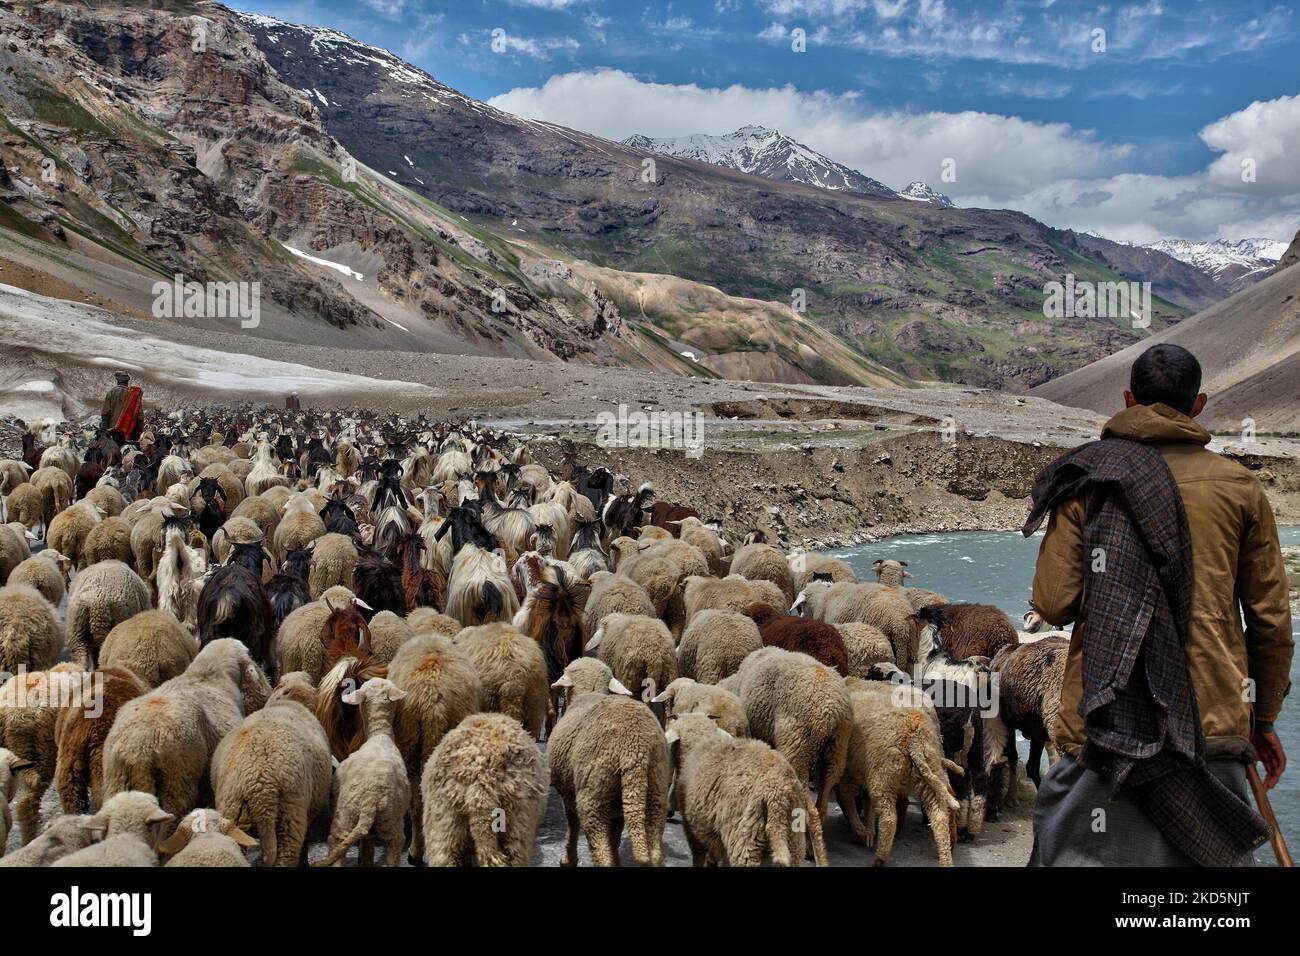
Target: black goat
[(378, 582), (623, 515), (233, 604), (465, 526), (287, 590)]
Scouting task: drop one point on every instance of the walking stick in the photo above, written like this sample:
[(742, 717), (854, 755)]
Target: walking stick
[(1266, 810)]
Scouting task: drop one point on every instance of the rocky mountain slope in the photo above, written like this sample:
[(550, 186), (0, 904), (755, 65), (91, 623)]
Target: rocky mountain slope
[(143, 141), (1249, 349), (932, 292), (764, 152), (1235, 264), (1177, 281)]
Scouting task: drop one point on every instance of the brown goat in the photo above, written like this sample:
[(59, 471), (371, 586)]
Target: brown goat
[(801, 634), (669, 514), (552, 616), (80, 731), (422, 586), (971, 630), (348, 664)]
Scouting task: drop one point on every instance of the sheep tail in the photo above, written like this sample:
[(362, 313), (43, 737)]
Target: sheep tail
[(778, 826), (74, 779), (815, 830), (636, 797), (933, 777), (364, 823)]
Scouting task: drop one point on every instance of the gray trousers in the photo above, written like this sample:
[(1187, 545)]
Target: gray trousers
[(1076, 823)]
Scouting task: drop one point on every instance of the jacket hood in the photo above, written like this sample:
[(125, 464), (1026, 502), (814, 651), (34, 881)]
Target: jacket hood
[(1155, 423)]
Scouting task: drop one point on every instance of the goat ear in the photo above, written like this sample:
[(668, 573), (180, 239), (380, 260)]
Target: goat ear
[(615, 687)]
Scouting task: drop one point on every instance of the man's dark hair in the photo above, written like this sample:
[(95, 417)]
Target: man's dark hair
[(1168, 374)]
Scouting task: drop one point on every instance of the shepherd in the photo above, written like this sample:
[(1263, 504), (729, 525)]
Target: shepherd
[(1157, 549), (122, 407)]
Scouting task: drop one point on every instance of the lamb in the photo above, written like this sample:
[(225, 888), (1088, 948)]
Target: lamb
[(614, 594), (69, 530), (101, 597), (732, 593), (372, 791), (29, 706), (110, 540), (442, 688), (55, 486), (699, 535), (866, 646), (388, 632), (814, 638), (80, 731), (272, 773), (762, 562), (107, 499), (609, 762), (971, 630), (48, 571), (26, 506), (484, 790), (685, 696), (152, 644), (800, 707), (657, 575), (298, 528), (874, 604), (333, 559), (31, 636), (639, 650), (14, 549), (206, 838), (890, 572), (895, 751), (714, 644), (740, 800), (587, 675), (1029, 700), (163, 740), (129, 825), (12, 474), (512, 669), (65, 835)]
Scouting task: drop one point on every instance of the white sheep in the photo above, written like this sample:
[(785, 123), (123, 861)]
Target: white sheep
[(639, 651), (512, 669), (714, 644), (101, 597), (272, 773), (740, 801), (206, 838), (371, 790), (128, 827), (485, 790), (162, 742)]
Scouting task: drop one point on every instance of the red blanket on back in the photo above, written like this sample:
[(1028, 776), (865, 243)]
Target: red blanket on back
[(129, 420)]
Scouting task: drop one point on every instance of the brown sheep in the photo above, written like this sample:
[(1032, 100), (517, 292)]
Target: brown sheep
[(971, 630), (814, 638), (80, 731)]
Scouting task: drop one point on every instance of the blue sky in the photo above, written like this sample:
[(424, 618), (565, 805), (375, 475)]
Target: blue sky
[(1139, 132)]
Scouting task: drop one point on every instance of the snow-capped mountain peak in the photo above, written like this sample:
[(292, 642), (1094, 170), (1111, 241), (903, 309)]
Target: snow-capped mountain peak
[(1236, 263), (921, 192), (764, 152)]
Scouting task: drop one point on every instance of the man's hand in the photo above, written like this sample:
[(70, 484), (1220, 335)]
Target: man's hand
[(1269, 752)]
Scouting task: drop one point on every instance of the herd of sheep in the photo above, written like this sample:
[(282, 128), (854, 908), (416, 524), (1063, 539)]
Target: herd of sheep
[(253, 625)]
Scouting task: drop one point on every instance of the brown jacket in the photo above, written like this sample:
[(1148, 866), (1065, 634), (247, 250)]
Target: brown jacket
[(1237, 570)]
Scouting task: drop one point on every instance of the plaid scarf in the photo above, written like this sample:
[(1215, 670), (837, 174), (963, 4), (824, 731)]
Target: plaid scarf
[(1138, 705)]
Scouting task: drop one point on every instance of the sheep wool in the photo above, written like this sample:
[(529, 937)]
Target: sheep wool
[(79, 734), (512, 669), (65, 835), (272, 774), (485, 788), (714, 644), (31, 637), (685, 696), (372, 790), (609, 761), (801, 707), (47, 571), (101, 597), (110, 540), (154, 645), (762, 562), (741, 802), (128, 824), (206, 838), (639, 650), (614, 594)]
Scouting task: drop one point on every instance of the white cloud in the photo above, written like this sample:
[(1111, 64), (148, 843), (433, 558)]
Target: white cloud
[(1061, 175)]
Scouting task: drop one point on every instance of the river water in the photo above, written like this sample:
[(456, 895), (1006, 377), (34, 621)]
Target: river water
[(997, 567)]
